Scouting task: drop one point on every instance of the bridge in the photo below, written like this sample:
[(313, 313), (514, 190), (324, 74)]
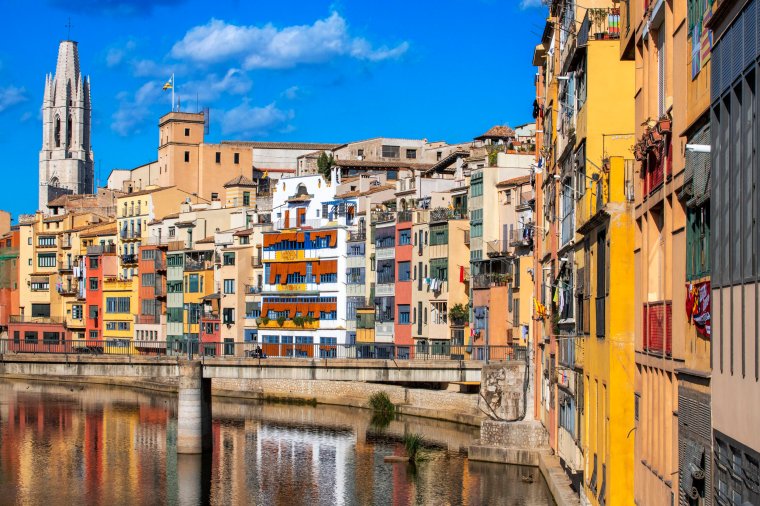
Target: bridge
[(196, 369)]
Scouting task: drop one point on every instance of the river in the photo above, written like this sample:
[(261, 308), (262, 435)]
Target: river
[(92, 444)]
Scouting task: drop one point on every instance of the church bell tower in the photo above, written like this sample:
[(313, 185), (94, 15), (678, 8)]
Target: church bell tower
[(66, 160)]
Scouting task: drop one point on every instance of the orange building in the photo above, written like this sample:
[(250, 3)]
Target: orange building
[(9, 294)]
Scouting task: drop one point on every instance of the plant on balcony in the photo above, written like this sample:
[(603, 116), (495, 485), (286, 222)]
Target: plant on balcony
[(299, 321), (264, 320), (309, 319), (281, 320), (459, 314)]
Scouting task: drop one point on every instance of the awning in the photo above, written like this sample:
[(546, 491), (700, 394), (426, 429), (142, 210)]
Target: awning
[(212, 296)]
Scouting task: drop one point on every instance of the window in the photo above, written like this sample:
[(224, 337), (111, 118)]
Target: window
[(246, 198), (117, 304), (403, 314), (236, 158), (439, 268), (476, 185), (404, 269), (360, 152), (40, 286), (411, 154), (148, 279), (439, 234), (355, 275), (661, 70), (122, 326), (391, 151), (50, 337), (404, 237), (174, 286), (218, 157), (229, 286), (46, 241), (172, 231), (76, 312), (245, 240), (439, 313), (476, 223), (228, 258), (508, 196), (329, 278), (328, 315), (187, 156), (93, 334), (174, 314), (148, 254), (228, 315), (30, 336), (46, 260), (93, 311)]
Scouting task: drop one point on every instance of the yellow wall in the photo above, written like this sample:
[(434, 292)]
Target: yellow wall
[(205, 287), (113, 287)]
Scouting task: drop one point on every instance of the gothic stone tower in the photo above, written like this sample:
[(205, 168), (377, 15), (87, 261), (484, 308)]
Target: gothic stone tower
[(66, 162)]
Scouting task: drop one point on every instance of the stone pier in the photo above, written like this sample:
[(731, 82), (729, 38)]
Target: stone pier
[(193, 410)]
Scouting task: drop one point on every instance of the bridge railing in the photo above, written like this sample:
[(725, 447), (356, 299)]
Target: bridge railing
[(238, 350)]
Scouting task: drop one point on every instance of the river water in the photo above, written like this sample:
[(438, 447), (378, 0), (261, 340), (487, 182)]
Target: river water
[(90, 444)]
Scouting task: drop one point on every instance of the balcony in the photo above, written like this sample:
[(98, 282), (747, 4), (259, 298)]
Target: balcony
[(404, 216), (159, 263), (590, 207), (101, 249), (384, 289), (521, 236), (197, 265), (525, 201), (580, 351), (388, 253), (657, 328), (441, 214), (36, 319), (599, 24), (128, 259), (175, 245), (67, 289), (252, 289), (480, 281), (359, 235), (148, 319), (160, 289), (256, 261), (383, 216), (497, 248), (467, 237), (67, 266)]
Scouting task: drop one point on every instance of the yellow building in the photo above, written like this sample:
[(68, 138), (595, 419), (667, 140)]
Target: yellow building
[(600, 183), (119, 304)]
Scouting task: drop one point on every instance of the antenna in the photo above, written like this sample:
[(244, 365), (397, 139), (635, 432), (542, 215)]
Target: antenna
[(68, 26), (206, 120)]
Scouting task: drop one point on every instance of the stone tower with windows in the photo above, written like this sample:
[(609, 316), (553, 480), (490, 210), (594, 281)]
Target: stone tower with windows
[(66, 160)]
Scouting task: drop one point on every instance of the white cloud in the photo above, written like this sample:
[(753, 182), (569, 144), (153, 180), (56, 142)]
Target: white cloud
[(234, 82), (247, 120), (10, 96), (292, 93), (271, 47), (150, 68), (116, 55), (135, 109), (528, 4)]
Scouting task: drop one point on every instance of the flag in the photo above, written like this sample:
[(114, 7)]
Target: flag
[(169, 84)]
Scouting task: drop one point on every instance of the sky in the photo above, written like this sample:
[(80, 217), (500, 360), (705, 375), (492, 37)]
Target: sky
[(308, 71)]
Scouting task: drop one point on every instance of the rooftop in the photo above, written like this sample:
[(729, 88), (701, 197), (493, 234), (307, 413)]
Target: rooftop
[(240, 181), (497, 132), (313, 146), (515, 181)]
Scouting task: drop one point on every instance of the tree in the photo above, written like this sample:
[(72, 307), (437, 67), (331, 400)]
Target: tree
[(324, 164)]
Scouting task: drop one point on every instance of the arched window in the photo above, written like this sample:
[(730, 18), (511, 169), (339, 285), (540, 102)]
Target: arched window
[(57, 131)]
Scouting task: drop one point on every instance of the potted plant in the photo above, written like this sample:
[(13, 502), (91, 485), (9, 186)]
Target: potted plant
[(459, 314), (265, 320), (299, 321), (281, 320)]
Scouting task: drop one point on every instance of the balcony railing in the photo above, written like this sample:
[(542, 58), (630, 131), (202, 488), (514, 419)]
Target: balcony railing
[(129, 259), (657, 329), (489, 280), (159, 263), (359, 235), (101, 248), (440, 214), (383, 216), (525, 201), (252, 289), (467, 237), (497, 248), (160, 289), (599, 24), (256, 261), (404, 216), (521, 236), (36, 319), (148, 319)]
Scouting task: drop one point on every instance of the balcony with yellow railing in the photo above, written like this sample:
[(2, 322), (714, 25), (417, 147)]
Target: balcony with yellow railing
[(287, 324)]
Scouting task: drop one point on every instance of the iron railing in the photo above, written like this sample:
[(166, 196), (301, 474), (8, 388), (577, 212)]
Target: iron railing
[(489, 280), (253, 349)]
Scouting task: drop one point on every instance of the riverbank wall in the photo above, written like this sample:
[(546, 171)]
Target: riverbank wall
[(435, 404)]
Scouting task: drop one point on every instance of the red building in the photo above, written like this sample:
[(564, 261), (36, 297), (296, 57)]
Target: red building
[(403, 323), (101, 263), (9, 294), (149, 331)]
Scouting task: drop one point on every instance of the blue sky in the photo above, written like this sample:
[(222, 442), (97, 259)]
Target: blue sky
[(307, 70)]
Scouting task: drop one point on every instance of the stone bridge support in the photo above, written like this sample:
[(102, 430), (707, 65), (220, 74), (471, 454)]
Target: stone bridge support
[(193, 410)]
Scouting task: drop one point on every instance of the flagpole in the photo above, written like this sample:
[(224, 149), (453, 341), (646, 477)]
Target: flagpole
[(172, 91)]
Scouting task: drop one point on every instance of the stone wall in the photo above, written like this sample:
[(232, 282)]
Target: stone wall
[(439, 404), (502, 388)]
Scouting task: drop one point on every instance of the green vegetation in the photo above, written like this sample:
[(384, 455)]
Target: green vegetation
[(281, 320), (413, 444), (324, 164), (265, 320), (383, 410), (458, 314), (299, 321)]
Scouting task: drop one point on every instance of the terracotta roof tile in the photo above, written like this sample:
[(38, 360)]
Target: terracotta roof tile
[(498, 132)]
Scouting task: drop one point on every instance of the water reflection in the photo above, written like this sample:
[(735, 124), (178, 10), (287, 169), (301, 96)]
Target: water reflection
[(104, 445)]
